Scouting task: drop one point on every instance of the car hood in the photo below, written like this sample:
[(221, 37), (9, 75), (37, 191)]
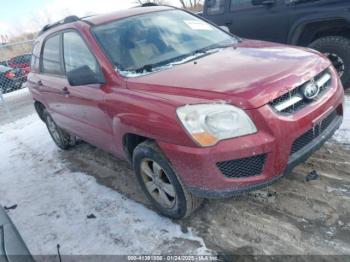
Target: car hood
[(249, 75)]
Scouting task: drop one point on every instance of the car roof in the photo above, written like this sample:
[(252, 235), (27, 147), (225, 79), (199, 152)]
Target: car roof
[(105, 18), (4, 69)]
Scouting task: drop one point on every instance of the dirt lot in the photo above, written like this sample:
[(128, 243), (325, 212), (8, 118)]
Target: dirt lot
[(290, 217)]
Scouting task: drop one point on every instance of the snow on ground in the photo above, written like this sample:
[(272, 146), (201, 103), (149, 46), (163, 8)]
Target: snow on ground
[(16, 93), (343, 134), (53, 204), (19, 103)]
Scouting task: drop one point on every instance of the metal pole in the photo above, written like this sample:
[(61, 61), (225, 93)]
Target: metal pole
[(2, 100), (2, 56)]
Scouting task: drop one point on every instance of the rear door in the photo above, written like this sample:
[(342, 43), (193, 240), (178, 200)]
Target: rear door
[(51, 81)]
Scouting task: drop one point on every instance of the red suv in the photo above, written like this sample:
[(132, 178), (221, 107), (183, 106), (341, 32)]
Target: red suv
[(198, 112)]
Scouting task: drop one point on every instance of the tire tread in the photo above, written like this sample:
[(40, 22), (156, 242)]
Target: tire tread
[(343, 44)]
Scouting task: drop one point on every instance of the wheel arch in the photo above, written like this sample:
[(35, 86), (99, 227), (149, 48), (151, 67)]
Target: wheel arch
[(305, 32), (131, 141)]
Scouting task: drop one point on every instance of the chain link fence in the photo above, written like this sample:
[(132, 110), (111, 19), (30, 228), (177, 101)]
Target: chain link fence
[(14, 65)]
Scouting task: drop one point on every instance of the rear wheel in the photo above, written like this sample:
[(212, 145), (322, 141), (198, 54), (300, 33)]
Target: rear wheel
[(61, 138), (337, 49), (161, 184)]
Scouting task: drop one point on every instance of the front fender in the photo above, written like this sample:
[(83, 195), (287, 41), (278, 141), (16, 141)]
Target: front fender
[(144, 114)]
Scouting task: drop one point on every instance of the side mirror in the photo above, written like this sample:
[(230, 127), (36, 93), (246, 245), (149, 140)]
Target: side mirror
[(263, 2), (84, 76), (225, 28)]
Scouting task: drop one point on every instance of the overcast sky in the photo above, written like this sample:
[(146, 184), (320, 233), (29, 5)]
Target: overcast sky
[(17, 16)]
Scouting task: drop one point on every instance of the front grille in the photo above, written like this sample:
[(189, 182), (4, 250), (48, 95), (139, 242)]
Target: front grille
[(312, 134), (294, 100), (303, 141), (245, 167)]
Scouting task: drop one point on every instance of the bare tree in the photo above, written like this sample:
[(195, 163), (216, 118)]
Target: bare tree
[(41, 19), (193, 5)]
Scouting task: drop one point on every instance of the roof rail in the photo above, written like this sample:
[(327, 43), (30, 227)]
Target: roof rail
[(68, 19), (149, 4)]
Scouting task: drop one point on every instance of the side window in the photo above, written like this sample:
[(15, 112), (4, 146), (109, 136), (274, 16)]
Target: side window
[(51, 62), (77, 54), (240, 4), (215, 7)]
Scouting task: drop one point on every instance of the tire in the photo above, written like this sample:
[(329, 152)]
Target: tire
[(181, 203), (61, 138), (337, 48)]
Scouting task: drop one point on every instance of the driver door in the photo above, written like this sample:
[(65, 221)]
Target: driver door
[(87, 101)]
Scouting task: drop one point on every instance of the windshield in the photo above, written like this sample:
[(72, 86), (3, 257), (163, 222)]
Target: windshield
[(144, 43)]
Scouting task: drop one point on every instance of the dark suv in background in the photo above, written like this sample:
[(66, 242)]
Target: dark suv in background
[(323, 25)]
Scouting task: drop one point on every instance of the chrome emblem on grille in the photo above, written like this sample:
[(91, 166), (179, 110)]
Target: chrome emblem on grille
[(310, 90)]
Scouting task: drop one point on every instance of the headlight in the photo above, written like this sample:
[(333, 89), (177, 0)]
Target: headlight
[(210, 123)]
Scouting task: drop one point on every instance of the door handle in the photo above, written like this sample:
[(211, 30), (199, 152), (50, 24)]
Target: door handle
[(228, 23), (65, 91), (39, 83)]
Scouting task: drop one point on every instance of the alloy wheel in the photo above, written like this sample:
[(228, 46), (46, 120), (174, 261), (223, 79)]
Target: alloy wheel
[(53, 129), (158, 183)]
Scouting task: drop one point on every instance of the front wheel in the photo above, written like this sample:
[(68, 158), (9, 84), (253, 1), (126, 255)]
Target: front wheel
[(337, 49), (61, 138), (161, 184)]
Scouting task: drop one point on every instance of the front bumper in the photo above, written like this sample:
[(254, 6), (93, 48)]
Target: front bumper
[(295, 160), (198, 167)]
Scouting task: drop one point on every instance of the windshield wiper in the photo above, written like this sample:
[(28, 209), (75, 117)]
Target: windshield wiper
[(147, 68), (208, 49), (150, 67), (203, 50)]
